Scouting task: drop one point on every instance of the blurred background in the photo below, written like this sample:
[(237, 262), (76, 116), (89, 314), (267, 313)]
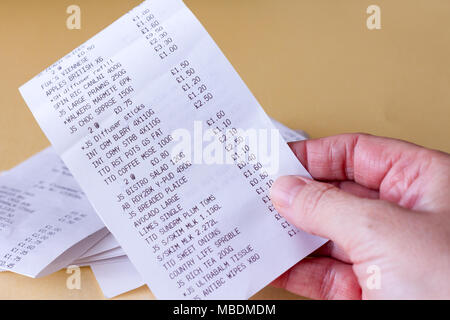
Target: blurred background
[(312, 64)]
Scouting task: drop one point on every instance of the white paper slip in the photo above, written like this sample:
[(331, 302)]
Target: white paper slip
[(106, 244), (116, 259), (113, 253), (45, 220), (109, 242), (116, 278), (174, 153)]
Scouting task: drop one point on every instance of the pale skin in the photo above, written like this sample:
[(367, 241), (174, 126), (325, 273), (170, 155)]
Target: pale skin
[(385, 206)]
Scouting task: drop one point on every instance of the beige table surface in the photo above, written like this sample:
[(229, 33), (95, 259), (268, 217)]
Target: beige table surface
[(312, 64)]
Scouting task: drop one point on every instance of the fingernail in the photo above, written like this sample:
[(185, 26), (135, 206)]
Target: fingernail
[(285, 189)]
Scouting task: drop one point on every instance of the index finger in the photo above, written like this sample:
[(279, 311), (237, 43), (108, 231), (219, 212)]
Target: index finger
[(363, 158)]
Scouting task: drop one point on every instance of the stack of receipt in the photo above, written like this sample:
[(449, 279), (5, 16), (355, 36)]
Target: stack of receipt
[(160, 169)]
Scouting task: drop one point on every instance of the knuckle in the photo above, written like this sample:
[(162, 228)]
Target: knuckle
[(314, 197)]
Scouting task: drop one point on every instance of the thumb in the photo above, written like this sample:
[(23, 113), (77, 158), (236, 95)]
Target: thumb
[(324, 210)]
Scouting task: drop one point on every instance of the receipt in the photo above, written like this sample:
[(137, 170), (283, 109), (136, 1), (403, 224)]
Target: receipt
[(104, 248), (113, 253), (174, 153), (108, 243), (45, 220), (117, 277)]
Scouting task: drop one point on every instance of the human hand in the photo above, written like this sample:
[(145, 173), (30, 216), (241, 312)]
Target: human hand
[(386, 210)]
